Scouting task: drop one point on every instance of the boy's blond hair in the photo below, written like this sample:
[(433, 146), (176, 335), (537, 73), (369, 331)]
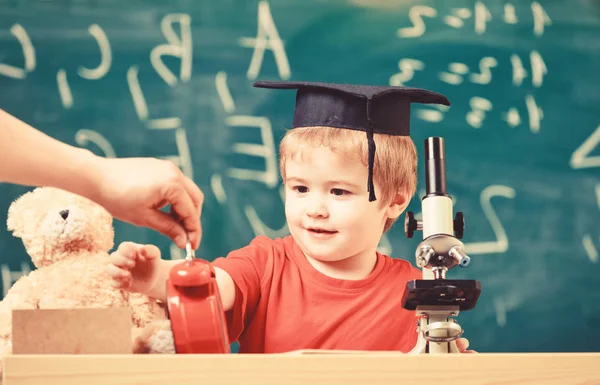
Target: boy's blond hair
[(395, 167)]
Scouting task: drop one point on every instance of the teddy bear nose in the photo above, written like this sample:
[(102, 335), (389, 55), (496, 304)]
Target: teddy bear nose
[(64, 214)]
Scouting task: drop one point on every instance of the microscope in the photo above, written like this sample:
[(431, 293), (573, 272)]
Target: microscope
[(436, 299)]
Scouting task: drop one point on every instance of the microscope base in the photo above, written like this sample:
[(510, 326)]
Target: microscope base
[(437, 330)]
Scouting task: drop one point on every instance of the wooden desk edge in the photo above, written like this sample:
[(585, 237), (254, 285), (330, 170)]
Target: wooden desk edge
[(295, 368)]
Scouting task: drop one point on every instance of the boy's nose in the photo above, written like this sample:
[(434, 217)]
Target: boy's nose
[(317, 209)]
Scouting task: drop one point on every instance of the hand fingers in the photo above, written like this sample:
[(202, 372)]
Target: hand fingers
[(195, 193), (118, 273), (462, 344), (167, 225), (127, 254), (198, 199), (149, 251), (184, 209), (120, 278), (122, 261), (127, 249)]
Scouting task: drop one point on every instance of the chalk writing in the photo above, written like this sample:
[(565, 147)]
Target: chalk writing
[(479, 106), (500, 245), (84, 137), (407, 69), (500, 308), (590, 249), (66, 97), (223, 92), (457, 71), (216, 185), (510, 16), (28, 55), (580, 157), (265, 150), (534, 112), (105, 55), (540, 18), (183, 157), (267, 37), (457, 17), (179, 47), (481, 15), (538, 69), (416, 15), (433, 114), (507, 302), (259, 227), (485, 74)]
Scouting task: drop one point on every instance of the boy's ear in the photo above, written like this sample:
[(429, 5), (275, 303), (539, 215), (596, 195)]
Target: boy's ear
[(398, 205)]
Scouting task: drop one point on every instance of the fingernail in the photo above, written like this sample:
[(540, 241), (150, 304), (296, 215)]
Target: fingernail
[(180, 240)]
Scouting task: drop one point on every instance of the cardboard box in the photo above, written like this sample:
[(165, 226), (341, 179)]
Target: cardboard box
[(72, 331)]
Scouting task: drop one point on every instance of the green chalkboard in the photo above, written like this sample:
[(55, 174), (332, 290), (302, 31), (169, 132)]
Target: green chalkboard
[(174, 79)]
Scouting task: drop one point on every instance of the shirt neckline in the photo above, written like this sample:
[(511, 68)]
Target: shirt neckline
[(336, 284)]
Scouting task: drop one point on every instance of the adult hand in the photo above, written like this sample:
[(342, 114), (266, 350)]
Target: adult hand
[(135, 190)]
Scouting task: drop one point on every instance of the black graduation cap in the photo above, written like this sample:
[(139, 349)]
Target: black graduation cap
[(373, 109)]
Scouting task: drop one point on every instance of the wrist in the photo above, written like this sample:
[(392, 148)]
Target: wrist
[(87, 168), (159, 289)]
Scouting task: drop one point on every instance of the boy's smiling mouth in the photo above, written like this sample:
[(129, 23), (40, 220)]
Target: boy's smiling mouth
[(320, 231)]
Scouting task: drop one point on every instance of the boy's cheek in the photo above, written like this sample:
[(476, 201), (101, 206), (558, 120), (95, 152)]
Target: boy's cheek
[(293, 213)]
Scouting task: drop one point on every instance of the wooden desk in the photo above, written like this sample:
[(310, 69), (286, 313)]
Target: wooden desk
[(306, 369)]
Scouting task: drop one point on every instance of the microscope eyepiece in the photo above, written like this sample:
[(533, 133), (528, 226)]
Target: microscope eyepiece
[(435, 167)]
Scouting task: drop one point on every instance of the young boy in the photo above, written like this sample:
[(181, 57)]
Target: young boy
[(324, 286)]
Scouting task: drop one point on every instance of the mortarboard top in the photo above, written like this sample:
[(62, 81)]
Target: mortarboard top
[(372, 109)]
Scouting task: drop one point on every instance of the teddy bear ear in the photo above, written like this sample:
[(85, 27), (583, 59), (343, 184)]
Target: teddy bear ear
[(16, 217)]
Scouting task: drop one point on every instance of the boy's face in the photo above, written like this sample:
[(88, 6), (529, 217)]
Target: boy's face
[(327, 206)]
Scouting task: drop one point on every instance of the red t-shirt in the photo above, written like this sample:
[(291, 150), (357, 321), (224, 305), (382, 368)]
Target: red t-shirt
[(283, 303)]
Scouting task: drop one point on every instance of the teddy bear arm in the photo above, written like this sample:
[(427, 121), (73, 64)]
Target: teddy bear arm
[(155, 338), (20, 296), (145, 309)]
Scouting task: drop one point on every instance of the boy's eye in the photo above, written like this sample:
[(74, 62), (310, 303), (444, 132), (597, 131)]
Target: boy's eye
[(301, 189), (339, 192)]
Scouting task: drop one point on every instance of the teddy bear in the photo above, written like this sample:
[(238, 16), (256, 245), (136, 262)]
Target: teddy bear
[(156, 337), (68, 238)]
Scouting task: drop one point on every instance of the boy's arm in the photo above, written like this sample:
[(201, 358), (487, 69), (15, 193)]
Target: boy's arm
[(238, 278), (224, 283), (226, 288)]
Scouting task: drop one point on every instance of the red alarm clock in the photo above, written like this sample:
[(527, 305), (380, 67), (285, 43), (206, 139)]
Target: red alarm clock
[(195, 308)]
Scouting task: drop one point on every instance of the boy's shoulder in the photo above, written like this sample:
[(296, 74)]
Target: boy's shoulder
[(266, 247), (403, 267), (262, 241)]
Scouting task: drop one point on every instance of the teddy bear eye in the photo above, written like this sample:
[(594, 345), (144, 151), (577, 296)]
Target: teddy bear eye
[(64, 214)]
